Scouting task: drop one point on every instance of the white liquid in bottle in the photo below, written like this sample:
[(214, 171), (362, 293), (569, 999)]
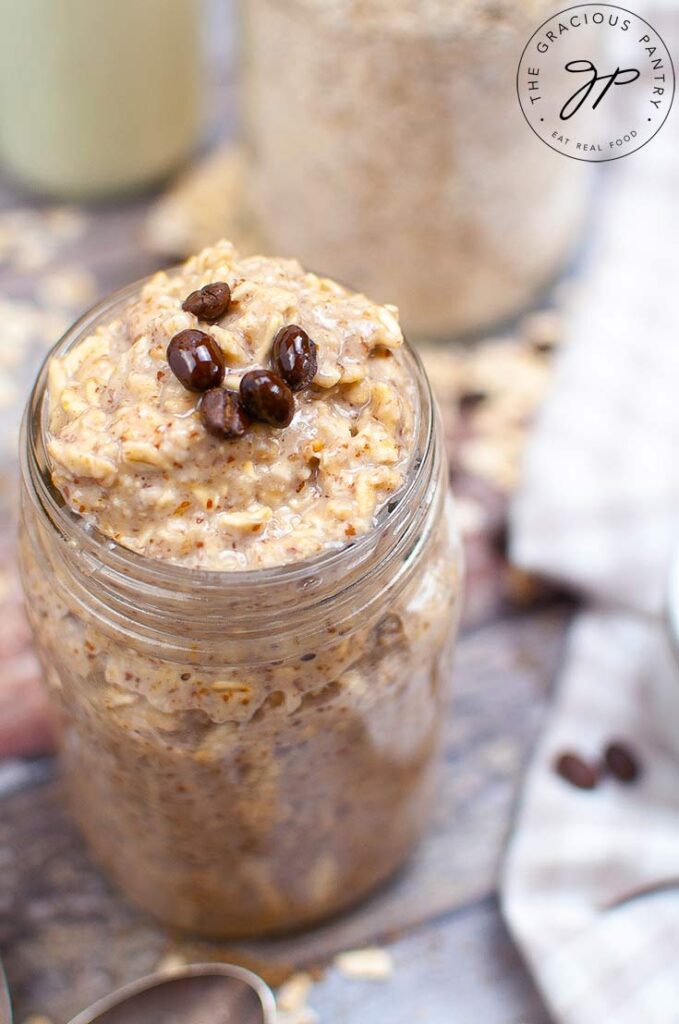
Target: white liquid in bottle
[(97, 97)]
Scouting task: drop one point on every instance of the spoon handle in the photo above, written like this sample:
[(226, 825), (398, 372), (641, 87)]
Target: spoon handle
[(218, 993), (5, 1003)]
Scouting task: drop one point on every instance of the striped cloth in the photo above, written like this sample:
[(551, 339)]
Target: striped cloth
[(590, 887)]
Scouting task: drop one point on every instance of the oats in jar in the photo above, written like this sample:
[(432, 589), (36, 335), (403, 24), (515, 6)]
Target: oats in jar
[(251, 683), (139, 470)]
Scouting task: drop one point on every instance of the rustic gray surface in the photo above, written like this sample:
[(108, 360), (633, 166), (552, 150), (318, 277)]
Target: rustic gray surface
[(463, 970)]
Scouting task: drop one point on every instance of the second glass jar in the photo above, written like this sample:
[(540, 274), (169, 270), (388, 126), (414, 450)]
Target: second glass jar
[(387, 120)]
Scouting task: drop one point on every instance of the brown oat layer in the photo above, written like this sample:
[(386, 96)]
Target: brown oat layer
[(130, 454)]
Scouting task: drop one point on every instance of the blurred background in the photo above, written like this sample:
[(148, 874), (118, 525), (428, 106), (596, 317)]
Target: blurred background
[(381, 143)]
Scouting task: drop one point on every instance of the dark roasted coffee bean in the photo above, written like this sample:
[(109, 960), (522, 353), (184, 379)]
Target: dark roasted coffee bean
[(210, 302), (266, 397), (223, 415), (621, 762), (294, 357), (469, 400), (196, 360), (579, 773)]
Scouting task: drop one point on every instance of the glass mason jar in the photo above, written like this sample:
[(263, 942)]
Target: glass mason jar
[(246, 752), (374, 119)]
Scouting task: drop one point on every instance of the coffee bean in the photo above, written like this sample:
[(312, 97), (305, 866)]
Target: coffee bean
[(210, 302), (294, 357), (579, 773), (622, 762), (196, 360), (469, 400), (223, 415), (266, 397)]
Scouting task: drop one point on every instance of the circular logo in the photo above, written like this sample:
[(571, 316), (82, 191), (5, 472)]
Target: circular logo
[(595, 82)]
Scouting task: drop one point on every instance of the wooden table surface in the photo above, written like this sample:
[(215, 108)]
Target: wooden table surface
[(66, 938)]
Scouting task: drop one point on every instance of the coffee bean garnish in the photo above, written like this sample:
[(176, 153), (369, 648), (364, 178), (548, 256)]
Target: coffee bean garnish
[(575, 770), (196, 360), (622, 762), (294, 357), (210, 302), (267, 397), (223, 415)]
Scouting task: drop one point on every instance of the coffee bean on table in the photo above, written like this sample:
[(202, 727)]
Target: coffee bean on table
[(267, 397), (577, 771), (294, 357), (223, 415), (469, 400), (210, 302), (196, 360), (621, 762)]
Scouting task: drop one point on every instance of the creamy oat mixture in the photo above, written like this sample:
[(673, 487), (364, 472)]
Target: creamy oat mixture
[(232, 782), (130, 454)]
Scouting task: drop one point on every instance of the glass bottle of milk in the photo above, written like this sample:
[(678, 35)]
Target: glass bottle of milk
[(97, 97)]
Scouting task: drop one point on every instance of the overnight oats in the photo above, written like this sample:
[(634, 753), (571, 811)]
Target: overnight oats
[(243, 583)]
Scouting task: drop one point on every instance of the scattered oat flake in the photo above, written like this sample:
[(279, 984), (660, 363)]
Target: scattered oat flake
[(445, 370), (543, 329), (66, 223), (170, 963), (8, 391), (68, 288), (371, 964), (30, 239), (482, 459), (293, 994), (37, 1019), (470, 516), (209, 202), (305, 1015), (9, 441), (32, 255), (21, 323)]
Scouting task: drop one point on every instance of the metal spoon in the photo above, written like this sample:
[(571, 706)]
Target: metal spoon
[(5, 1004), (196, 994)]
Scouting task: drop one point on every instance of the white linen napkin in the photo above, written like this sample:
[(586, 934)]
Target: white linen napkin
[(590, 887)]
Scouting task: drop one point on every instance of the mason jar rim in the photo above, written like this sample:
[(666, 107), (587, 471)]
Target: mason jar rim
[(379, 28), (344, 567)]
